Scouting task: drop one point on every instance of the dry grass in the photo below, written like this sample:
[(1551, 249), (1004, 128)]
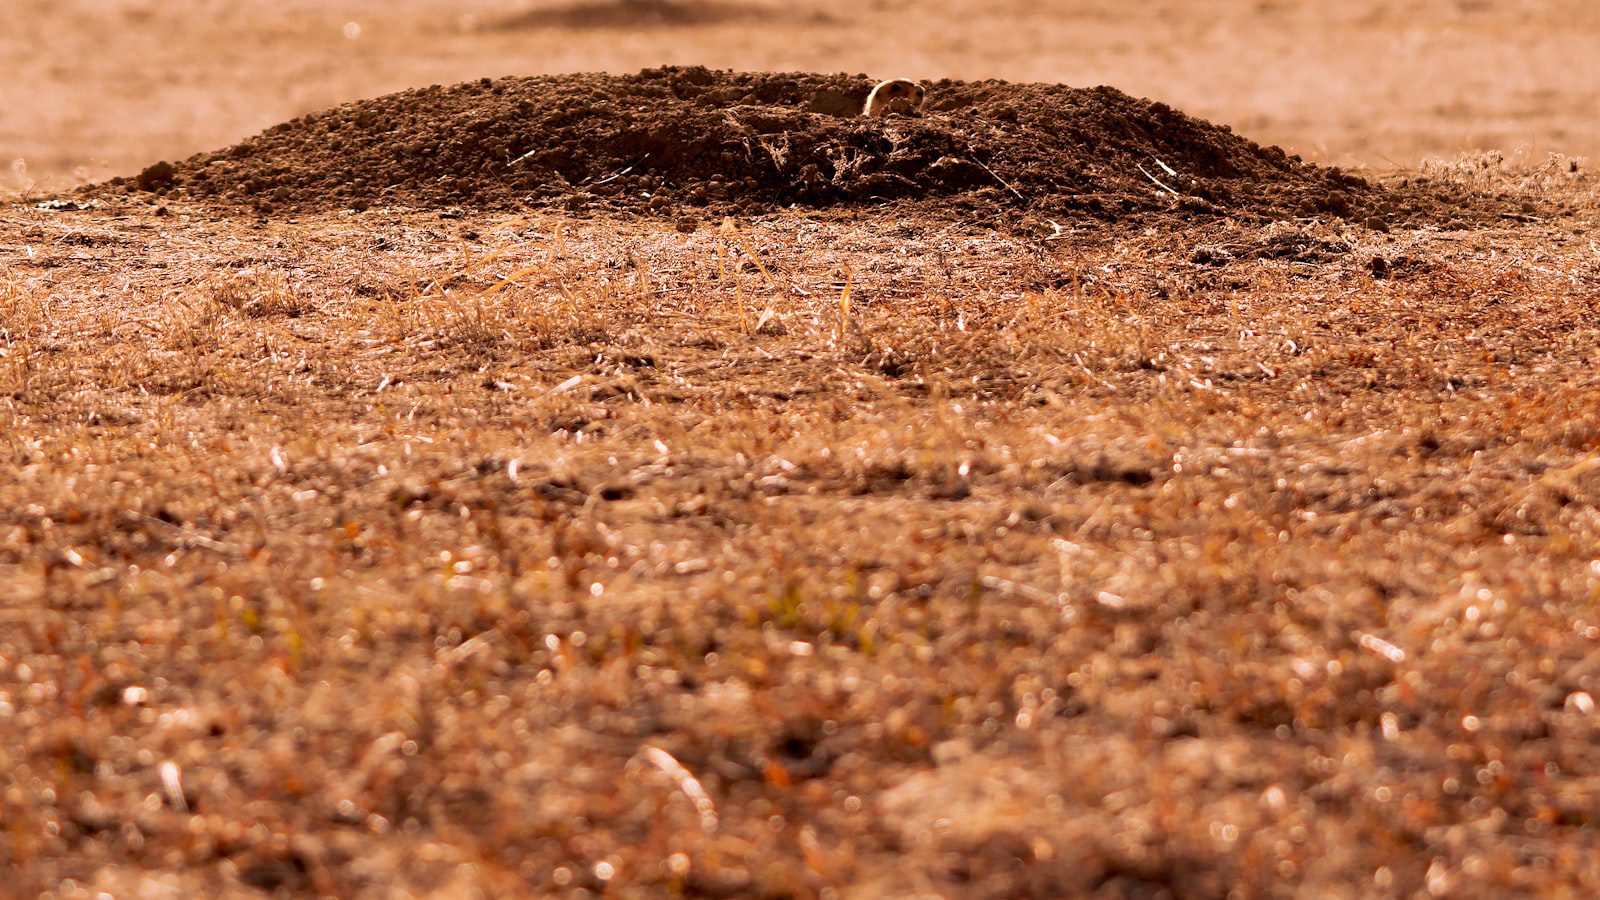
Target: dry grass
[(386, 552)]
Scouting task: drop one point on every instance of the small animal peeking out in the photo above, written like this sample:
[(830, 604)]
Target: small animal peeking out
[(897, 95)]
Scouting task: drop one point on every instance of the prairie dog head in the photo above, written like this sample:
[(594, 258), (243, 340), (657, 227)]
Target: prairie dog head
[(899, 95)]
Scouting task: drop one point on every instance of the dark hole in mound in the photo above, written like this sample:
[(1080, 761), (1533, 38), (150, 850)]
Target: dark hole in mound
[(627, 14), (673, 139)]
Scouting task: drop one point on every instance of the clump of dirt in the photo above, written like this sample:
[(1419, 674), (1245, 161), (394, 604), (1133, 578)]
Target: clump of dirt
[(672, 140)]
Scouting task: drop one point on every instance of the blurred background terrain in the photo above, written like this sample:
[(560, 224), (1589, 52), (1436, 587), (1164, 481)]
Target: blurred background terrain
[(104, 87)]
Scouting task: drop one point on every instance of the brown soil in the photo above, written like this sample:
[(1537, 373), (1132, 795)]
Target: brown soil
[(671, 139)]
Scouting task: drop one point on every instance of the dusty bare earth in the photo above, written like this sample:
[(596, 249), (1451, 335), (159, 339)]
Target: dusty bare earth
[(1054, 493)]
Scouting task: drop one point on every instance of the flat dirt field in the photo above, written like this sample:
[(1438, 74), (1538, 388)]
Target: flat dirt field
[(668, 483)]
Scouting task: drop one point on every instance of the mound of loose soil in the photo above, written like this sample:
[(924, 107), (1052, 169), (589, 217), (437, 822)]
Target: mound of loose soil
[(670, 138)]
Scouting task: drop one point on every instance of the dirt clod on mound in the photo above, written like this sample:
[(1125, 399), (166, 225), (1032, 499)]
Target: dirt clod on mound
[(670, 138)]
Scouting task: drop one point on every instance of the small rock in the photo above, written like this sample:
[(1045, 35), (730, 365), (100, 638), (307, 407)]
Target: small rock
[(1210, 256), (64, 205)]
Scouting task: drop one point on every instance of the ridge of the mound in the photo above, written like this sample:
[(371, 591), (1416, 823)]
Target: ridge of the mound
[(673, 138)]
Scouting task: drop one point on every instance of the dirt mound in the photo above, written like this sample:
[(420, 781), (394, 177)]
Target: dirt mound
[(668, 139)]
